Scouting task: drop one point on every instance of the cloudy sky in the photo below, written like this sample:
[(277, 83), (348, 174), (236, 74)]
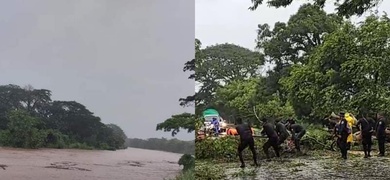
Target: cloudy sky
[(123, 59), (220, 21), (230, 21)]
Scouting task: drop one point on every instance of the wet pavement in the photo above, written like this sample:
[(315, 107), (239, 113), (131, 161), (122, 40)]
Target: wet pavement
[(72, 164)]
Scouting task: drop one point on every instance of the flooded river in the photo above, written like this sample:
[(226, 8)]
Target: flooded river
[(71, 164)]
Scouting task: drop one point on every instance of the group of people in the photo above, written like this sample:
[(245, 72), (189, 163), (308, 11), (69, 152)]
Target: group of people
[(276, 133), (367, 127)]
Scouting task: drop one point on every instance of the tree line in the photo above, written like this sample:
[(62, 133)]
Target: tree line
[(29, 118), (162, 144), (321, 62)]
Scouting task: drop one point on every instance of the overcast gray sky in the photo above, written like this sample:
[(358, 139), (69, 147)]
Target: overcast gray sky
[(230, 21), (221, 21), (123, 59)]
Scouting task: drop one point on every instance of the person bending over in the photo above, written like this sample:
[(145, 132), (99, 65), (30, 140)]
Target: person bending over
[(282, 132), (273, 138), (297, 132)]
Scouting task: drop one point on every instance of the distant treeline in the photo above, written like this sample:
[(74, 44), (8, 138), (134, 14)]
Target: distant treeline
[(30, 119), (163, 144)]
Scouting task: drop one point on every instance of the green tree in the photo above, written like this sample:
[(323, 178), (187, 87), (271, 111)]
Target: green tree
[(163, 144), (249, 99), (53, 121), (119, 136), (348, 71), (176, 122), (221, 64), (290, 43), (22, 131), (345, 8), (187, 161)]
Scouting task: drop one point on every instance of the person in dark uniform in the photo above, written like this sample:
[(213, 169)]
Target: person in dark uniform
[(366, 130), (246, 139), (336, 132), (343, 133), (273, 139), (282, 132), (381, 133), (297, 132)]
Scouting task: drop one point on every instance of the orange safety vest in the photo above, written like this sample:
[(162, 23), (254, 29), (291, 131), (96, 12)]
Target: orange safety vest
[(233, 131)]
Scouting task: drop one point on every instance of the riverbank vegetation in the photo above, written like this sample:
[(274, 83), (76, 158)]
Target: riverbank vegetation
[(162, 144), (29, 118)]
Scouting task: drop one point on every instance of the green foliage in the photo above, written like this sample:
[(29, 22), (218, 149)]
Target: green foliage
[(55, 139), (118, 138), (237, 97), (30, 119), (80, 146), (348, 71), (187, 161), (163, 144), (225, 148), (345, 8), (176, 122), (208, 170), (22, 131), (222, 148), (274, 108), (186, 175)]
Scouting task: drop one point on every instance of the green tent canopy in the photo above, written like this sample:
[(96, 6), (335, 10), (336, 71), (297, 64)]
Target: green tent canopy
[(210, 112)]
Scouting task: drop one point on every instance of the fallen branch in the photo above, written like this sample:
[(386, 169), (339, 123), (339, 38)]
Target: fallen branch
[(254, 111)]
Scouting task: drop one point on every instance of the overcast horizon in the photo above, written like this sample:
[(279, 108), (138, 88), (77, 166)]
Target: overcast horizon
[(122, 59)]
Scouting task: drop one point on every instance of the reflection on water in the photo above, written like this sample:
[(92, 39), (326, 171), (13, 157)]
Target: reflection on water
[(71, 164)]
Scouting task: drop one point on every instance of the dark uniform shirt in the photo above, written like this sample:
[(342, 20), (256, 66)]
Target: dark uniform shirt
[(269, 130), (364, 125), (245, 131), (343, 127), (381, 128), (296, 128), (281, 129), (336, 128)]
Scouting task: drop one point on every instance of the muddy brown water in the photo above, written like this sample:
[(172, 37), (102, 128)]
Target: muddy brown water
[(72, 164)]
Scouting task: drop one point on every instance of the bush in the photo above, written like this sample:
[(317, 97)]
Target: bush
[(22, 131), (316, 138), (80, 146), (222, 148), (187, 161), (186, 175), (225, 148), (55, 139), (211, 171)]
